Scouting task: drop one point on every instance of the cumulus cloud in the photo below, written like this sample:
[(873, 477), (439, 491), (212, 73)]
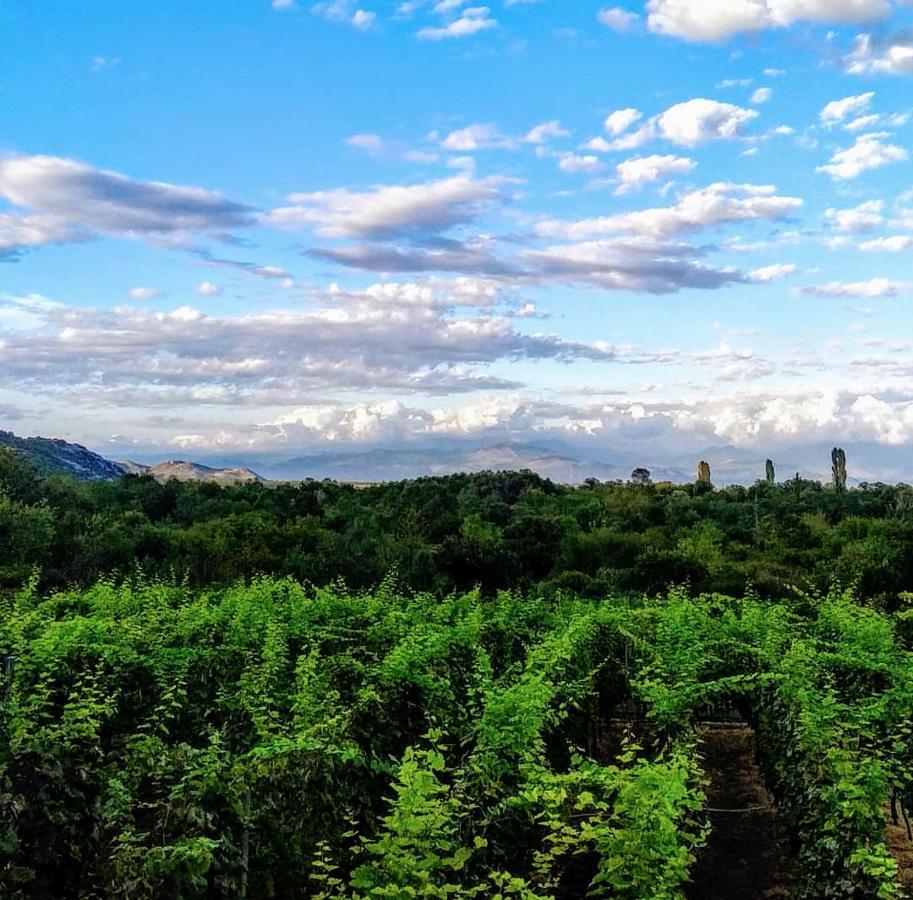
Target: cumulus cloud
[(478, 136), (621, 120), (437, 336), (617, 19), (21, 232), (840, 110), (696, 210), (638, 264), (864, 217), (390, 210), (874, 55), (542, 134), (775, 272), (144, 293), (487, 136), (718, 20), (472, 20), (344, 11), (874, 287), (470, 257), (638, 171), (574, 162), (688, 124), (370, 143), (658, 429), (870, 151), (698, 121), (896, 243), (68, 200)]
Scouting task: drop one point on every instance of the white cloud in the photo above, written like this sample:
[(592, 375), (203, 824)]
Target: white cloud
[(761, 95), (478, 136), (572, 162), (208, 289), (718, 20), (862, 123), (700, 120), (364, 20), (472, 20), (74, 201), (621, 120), (864, 217), (437, 336), (104, 62), (542, 134), (18, 233), (871, 55), (873, 287), (617, 19), (389, 210), (144, 293), (630, 263), (894, 244), (714, 205), (840, 110), (770, 421), (688, 124), (869, 152), (344, 11), (766, 274), (634, 173), (370, 143)]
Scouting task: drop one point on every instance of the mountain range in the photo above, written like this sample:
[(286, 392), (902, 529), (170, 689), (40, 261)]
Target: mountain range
[(178, 470), (52, 456), (561, 463)]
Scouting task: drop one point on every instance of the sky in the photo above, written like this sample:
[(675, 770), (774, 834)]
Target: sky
[(253, 227)]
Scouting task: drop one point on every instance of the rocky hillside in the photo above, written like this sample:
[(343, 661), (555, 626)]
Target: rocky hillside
[(178, 470), (52, 456)]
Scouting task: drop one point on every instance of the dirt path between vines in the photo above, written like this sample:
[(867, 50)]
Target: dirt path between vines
[(745, 857), (902, 848)]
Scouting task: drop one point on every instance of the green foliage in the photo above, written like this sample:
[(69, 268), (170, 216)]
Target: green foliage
[(492, 531), (273, 740)]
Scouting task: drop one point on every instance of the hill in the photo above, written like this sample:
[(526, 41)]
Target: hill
[(52, 456), (178, 470)]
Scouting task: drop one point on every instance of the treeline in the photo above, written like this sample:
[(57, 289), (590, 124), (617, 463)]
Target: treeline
[(491, 530)]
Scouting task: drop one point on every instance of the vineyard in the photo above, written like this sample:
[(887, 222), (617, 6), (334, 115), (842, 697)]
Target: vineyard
[(272, 740)]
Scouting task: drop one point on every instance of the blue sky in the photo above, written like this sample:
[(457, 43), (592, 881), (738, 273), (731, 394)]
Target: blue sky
[(253, 227)]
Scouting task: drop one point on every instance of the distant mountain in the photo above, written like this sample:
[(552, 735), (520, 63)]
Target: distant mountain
[(394, 465), (178, 470), (562, 462), (52, 456)]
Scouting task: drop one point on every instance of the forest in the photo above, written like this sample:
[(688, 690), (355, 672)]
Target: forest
[(491, 531), (472, 686)]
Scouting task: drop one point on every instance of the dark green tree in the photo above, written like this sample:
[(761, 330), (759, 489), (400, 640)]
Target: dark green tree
[(838, 468)]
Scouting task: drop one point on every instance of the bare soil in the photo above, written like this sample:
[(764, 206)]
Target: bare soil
[(746, 856), (902, 848)]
